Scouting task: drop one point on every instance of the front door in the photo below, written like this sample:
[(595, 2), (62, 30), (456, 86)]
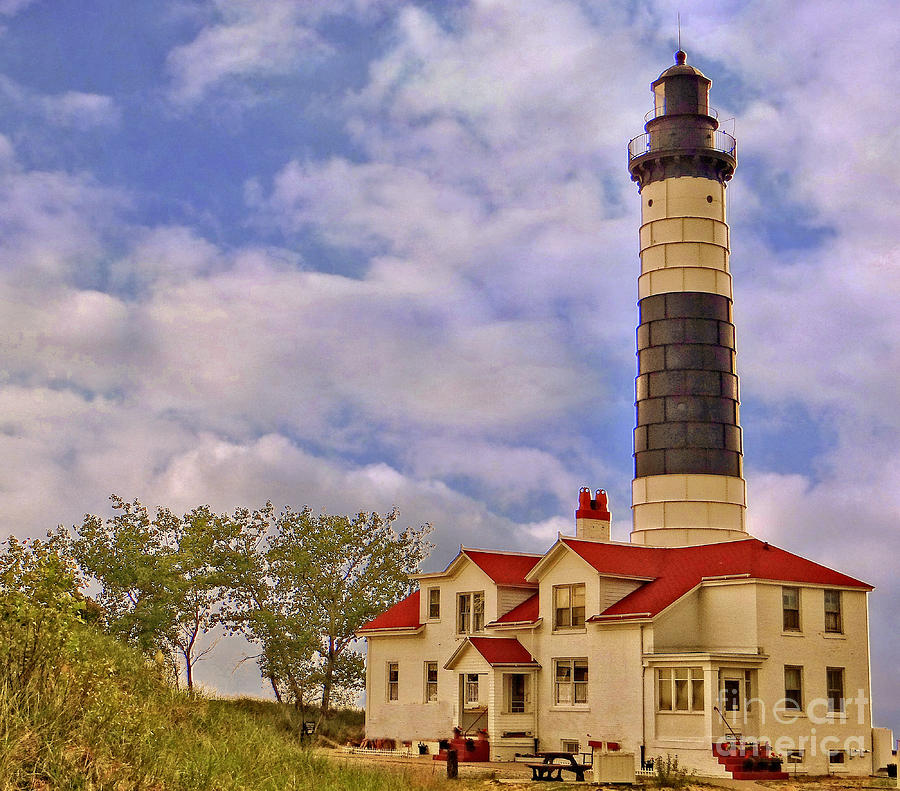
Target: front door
[(736, 701), (472, 702)]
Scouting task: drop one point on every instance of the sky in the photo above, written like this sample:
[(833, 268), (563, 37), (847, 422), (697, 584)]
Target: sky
[(368, 253)]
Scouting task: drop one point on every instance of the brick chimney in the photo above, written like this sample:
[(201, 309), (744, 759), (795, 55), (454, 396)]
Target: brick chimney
[(592, 517)]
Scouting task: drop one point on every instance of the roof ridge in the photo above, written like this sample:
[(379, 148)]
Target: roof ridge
[(503, 552)]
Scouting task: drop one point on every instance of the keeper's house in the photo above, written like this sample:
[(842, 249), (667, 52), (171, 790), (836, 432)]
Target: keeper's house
[(694, 633)]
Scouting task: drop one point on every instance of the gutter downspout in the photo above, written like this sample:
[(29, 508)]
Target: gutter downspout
[(643, 751)]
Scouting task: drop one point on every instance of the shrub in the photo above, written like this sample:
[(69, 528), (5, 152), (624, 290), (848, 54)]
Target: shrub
[(669, 774)]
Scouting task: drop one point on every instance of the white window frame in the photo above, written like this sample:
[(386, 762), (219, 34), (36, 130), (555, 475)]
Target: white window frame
[(836, 703), (788, 700), (839, 612), (567, 745), (507, 693), (677, 683), (472, 691), (570, 610), (431, 687), (430, 615), (393, 682), (785, 609), (575, 688), (470, 618)]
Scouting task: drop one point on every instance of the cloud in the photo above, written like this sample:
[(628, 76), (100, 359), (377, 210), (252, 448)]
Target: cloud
[(80, 110), (247, 39), (73, 109), (13, 7)]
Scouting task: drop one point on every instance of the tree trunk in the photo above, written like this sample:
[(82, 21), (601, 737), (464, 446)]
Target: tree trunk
[(275, 688), (329, 679)]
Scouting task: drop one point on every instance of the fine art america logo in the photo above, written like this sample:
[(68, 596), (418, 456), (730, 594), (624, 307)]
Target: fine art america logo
[(805, 737)]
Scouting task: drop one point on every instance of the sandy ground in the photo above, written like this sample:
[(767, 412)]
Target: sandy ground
[(517, 777)]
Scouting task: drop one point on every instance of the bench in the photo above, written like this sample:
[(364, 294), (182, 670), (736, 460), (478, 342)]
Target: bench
[(550, 770)]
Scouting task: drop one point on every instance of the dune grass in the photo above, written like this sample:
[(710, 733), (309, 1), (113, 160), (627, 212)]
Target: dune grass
[(79, 710)]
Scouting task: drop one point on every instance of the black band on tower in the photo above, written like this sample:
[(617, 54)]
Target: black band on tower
[(686, 390)]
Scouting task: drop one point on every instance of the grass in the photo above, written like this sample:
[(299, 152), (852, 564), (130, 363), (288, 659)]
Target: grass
[(94, 715)]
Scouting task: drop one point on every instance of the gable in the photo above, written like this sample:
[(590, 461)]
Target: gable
[(487, 652)]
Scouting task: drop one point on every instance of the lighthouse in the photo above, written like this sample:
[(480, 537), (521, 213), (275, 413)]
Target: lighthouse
[(688, 485)]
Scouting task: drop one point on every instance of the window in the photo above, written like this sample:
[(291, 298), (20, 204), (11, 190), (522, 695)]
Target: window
[(834, 677), (571, 681), (790, 603), (471, 689), (431, 675), (732, 690), (679, 688), (470, 612), (515, 686), (568, 606), (434, 603), (833, 621), (794, 756), (393, 681), (570, 746), (835, 756), (793, 687)]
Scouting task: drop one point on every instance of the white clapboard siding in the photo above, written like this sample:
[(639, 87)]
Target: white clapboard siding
[(613, 589)]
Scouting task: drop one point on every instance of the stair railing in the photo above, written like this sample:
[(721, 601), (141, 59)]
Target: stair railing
[(727, 724), (474, 723)]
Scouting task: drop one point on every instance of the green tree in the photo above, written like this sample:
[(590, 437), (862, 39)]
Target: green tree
[(158, 589), (260, 603), (343, 571), (197, 584), (39, 601)]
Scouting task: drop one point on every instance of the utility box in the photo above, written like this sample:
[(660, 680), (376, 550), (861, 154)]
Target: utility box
[(882, 745), (614, 768)]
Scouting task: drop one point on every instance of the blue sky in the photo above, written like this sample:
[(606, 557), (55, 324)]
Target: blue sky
[(367, 253)]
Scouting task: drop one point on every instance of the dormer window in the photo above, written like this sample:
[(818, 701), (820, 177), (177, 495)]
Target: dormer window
[(470, 612), (568, 606)]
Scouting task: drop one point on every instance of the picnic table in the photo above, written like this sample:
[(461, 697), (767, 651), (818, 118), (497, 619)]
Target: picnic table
[(554, 764)]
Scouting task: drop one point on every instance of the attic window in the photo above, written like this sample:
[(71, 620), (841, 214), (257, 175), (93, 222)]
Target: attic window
[(568, 606)]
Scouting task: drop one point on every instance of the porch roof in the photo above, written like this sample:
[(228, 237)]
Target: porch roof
[(496, 651)]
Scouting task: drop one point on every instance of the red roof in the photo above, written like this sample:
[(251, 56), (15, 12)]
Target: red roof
[(502, 651), (526, 612), (676, 570), (403, 615), (504, 568)]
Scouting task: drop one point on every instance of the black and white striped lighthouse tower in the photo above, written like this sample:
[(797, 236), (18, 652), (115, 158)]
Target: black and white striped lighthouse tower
[(688, 483)]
